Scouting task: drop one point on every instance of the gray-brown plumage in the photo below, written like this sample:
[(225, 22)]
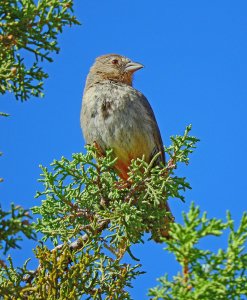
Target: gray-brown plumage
[(116, 116)]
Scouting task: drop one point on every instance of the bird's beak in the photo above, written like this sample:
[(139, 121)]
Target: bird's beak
[(132, 67)]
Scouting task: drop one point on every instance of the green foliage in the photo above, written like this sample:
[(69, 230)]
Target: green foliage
[(2, 114), (79, 189), (12, 224), (206, 274), (93, 218), (29, 29), (65, 274), (178, 152), (181, 147)]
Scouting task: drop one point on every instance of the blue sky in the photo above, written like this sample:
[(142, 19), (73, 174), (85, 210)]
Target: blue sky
[(195, 60)]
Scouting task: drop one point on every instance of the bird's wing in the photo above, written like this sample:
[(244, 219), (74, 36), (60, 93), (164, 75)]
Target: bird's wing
[(156, 132)]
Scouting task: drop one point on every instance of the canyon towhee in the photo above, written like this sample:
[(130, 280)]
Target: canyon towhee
[(116, 116)]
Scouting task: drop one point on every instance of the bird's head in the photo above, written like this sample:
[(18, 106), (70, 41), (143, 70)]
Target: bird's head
[(113, 67)]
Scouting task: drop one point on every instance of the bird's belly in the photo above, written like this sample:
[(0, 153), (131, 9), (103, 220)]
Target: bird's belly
[(132, 145), (128, 139)]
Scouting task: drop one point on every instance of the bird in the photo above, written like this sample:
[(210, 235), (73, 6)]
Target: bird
[(116, 116)]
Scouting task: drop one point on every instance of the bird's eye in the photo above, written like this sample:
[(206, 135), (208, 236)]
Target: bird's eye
[(114, 61)]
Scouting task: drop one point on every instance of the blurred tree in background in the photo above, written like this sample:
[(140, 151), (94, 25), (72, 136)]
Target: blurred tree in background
[(206, 274), (92, 217), (28, 36)]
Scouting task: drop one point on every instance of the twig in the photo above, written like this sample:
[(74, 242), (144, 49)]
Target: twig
[(186, 270), (74, 246)]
